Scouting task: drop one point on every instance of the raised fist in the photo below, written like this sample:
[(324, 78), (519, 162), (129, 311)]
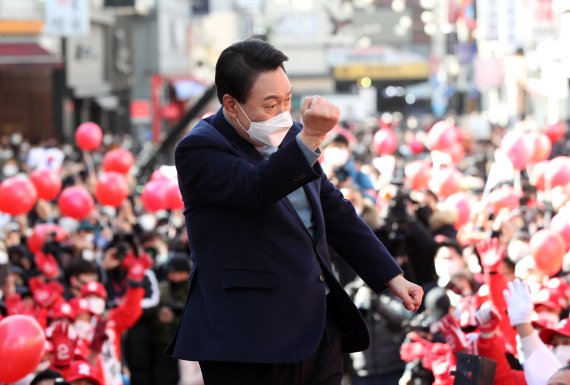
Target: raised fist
[(319, 117)]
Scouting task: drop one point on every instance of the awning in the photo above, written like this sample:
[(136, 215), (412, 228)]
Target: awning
[(18, 54)]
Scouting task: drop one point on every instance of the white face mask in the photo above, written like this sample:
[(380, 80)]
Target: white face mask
[(82, 328), (90, 238), (269, 132), (447, 267), (335, 156), (10, 170), (96, 305), (562, 352), (88, 255), (161, 257)]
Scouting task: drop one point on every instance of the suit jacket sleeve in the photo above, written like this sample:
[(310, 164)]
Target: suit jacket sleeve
[(353, 239), (219, 176)]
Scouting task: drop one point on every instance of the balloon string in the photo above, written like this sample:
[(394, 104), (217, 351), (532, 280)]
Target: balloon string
[(51, 218), (89, 162), (517, 182)]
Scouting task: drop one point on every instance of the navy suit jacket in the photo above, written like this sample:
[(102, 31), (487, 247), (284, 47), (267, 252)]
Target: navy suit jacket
[(257, 288)]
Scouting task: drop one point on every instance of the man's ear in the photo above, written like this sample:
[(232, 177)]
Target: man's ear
[(230, 105)]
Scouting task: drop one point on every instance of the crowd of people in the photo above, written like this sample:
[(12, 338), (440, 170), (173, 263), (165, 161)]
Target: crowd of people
[(482, 225)]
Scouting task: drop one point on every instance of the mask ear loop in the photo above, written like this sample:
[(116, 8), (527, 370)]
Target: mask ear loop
[(243, 112)]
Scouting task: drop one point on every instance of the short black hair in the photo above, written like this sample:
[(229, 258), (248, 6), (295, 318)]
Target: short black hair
[(49, 374), (151, 236), (240, 64), (80, 266)]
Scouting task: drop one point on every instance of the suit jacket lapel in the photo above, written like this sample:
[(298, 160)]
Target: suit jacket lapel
[(317, 218), (246, 149), (249, 152)]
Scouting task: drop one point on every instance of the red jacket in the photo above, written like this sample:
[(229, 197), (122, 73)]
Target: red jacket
[(497, 285), (494, 348)]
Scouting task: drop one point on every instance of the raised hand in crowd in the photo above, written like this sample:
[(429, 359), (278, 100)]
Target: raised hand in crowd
[(441, 361), (453, 335), (492, 253), (488, 320), (416, 349), (136, 266), (519, 303), (64, 340), (99, 336)]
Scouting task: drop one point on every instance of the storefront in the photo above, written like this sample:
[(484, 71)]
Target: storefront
[(31, 89)]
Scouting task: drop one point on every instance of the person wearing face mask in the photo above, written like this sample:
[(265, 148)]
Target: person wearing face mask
[(173, 293), (448, 261), (264, 306), (154, 245), (339, 164), (103, 330), (559, 338), (138, 348), (547, 308), (77, 274)]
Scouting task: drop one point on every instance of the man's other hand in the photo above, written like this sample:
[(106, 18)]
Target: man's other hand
[(410, 293)]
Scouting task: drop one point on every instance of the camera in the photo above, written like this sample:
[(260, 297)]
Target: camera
[(341, 174), (125, 244), (394, 229), (53, 246)]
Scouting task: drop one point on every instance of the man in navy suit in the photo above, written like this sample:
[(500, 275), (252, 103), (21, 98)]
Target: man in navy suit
[(264, 306)]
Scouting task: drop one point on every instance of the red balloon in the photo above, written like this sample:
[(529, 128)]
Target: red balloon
[(18, 195), (504, 197), (457, 152), (539, 146), (516, 149), (418, 174), (461, 205), (442, 136), (112, 189), (547, 249), (560, 224), (22, 343), (158, 175), (558, 172), (174, 197), (120, 160), (76, 202), (153, 196), (88, 136), (47, 183), (536, 175), (446, 182), (385, 141), (36, 241), (555, 131), (416, 146)]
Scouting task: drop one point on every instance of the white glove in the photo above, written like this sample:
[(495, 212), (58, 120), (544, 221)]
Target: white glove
[(519, 303)]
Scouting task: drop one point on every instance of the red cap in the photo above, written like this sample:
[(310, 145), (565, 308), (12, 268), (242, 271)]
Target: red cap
[(560, 286), (94, 288), (82, 370), (544, 319), (80, 305), (63, 310), (548, 298), (563, 328)]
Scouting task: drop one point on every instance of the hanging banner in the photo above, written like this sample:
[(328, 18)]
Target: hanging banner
[(65, 18)]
